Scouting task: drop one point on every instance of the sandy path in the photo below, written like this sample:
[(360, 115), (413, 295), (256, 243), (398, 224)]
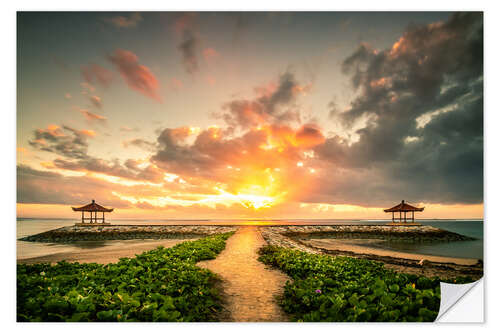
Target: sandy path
[(249, 286), (104, 254)]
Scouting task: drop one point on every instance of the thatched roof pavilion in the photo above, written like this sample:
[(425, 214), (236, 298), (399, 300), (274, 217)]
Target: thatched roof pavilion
[(404, 207), (93, 208)]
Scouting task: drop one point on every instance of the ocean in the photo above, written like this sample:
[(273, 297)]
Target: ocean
[(464, 249)]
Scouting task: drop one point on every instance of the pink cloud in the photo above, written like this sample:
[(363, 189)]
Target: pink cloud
[(96, 74), (209, 54), (138, 77), (211, 80)]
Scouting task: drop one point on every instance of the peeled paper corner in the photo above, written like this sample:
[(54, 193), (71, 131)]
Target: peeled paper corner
[(461, 302)]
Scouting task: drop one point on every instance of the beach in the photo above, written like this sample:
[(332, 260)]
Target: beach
[(250, 290), (111, 252), (106, 244)]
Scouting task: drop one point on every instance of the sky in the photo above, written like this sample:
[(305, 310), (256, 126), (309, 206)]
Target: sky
[(250, 115)]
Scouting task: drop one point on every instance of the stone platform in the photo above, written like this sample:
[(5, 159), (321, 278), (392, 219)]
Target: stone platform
[(91, 224), (403, 223)]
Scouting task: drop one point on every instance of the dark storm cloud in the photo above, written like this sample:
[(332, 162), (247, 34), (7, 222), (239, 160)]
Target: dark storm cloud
[(425, 99)]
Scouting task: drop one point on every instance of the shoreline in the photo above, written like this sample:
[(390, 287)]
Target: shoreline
[(106, 254), (331, 240), (78, 232), (418, 264)]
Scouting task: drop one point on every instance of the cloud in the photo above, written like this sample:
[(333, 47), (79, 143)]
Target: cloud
[(96, 101), (45, 187), (211, 80), (413, 131), (138, 77), (112, 168), (141, 143), (64, 141), (176, 84), (263, 159), (128, 129), (189, 48), (274, 104), (125, 22), (435, 72), (185, 28), (95, 74), (87, 88), (185, 21), (92, 117), (71, 146), (210, 54)]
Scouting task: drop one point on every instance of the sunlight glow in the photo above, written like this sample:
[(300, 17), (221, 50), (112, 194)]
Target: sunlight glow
[(247, 200)]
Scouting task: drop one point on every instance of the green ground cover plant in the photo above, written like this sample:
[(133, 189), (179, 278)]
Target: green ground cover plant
[(326, 288), (158, 285)]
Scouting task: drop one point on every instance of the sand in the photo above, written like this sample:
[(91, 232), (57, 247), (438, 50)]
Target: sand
[(111, 252), (351, 246), (248, 286)]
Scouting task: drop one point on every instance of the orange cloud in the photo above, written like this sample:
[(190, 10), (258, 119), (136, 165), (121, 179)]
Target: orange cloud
[(92, 116), (53, 130), (89, 133), (96, 101), (138, 77)]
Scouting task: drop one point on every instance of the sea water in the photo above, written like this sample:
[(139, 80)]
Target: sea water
[(460, 249)]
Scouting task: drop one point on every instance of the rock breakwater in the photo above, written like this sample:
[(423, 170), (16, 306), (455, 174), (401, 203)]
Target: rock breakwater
[(386, 232), (122, 232)]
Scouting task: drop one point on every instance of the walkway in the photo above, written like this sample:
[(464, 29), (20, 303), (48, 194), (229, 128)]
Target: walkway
[(250, 287)]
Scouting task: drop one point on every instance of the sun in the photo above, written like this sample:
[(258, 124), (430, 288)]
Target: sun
[(248, 200)]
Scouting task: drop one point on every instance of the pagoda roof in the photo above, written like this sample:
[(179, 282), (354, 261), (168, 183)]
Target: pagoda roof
[(404, 207), (92, 207)]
